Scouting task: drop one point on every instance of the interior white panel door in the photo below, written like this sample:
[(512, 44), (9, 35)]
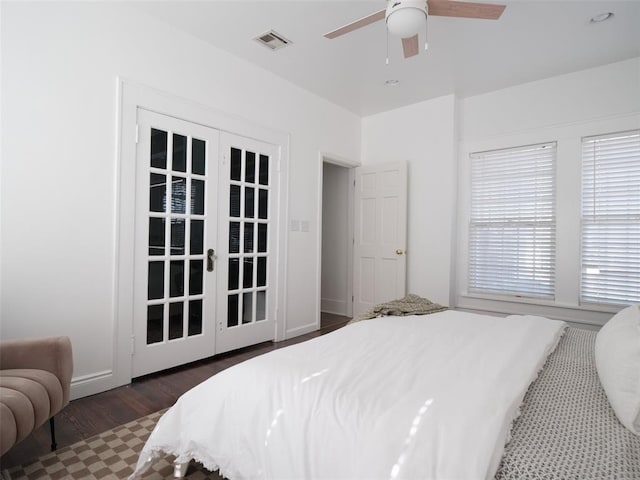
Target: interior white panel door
[(380, 234), (247, 235), (176, 235)]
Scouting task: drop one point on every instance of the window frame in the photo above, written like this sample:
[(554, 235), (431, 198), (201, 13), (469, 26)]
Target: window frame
[(516, 220), (568, 135), (604, 219)]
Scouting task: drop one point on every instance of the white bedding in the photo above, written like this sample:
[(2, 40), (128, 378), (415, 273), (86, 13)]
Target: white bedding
[(429, 397)]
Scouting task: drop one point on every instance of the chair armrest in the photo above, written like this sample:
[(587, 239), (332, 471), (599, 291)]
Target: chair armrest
[(53, 354)]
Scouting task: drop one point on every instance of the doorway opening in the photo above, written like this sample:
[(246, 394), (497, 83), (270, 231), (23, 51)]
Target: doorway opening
[(336, 266)]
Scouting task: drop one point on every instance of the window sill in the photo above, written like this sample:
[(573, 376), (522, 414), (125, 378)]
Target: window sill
[(588, 307), (587, 314)]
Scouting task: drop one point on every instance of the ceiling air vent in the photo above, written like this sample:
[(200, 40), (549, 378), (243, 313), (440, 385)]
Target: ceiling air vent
[(272, 40)]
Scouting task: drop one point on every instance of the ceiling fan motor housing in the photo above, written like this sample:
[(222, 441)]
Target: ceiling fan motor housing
[(405, 18)]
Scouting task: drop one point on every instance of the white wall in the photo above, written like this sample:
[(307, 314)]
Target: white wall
[(593, 94), (563, 109), (423, 135), (335, 238), (60, 61), (435, 138)]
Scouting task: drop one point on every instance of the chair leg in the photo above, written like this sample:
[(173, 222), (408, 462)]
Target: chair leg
[(52, 428)]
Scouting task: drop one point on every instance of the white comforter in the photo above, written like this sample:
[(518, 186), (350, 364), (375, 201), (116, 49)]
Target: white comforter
[(420, 397)]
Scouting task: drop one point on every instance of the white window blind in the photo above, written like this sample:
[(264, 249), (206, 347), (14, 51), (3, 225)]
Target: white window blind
[(611, 218), (513, 225)]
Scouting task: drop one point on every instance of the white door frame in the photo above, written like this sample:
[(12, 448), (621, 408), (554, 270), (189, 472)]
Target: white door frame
[(132, 95), (323, 158)]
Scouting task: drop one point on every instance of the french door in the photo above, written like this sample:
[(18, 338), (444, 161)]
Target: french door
[(176, 226), (247, 273), (204, 237)]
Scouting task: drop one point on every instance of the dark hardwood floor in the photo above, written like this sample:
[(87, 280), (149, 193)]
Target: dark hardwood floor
[(88, 416)]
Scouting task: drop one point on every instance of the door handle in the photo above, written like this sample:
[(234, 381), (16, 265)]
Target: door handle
[(399, 251), (211, 258)]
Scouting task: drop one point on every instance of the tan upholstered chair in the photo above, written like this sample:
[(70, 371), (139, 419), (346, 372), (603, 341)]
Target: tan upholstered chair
[(35, 379)]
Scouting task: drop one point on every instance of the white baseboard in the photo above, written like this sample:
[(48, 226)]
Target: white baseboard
[(337, 307), (93, 383), (295, 332)]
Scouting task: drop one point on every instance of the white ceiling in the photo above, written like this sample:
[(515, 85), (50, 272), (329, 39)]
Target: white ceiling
[(532, 40)]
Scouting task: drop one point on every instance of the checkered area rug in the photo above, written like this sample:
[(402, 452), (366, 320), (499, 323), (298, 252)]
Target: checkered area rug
[(110, 455)]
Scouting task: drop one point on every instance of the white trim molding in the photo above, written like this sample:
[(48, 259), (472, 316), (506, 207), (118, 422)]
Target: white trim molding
[(85, 385)]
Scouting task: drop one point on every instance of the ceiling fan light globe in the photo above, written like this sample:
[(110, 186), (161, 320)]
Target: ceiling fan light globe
[(406, 22)]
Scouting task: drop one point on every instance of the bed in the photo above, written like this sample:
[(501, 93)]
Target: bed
[(440, 396)]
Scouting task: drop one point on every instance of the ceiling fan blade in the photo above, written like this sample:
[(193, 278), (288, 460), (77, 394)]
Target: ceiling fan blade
[(364, 21), (447, 8), (410, 46)]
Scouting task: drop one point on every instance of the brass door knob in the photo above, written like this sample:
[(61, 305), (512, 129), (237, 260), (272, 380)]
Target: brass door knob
[(399, 252)]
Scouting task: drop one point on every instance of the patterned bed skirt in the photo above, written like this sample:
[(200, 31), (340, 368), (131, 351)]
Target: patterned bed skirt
[(567, 429)]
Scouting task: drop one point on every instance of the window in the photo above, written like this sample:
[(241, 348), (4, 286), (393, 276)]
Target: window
[(512, 224), (611, 218)]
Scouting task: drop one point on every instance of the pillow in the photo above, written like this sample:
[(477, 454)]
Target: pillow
[(618, 363)]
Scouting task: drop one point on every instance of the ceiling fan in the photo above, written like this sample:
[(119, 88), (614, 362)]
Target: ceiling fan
[(405, 18)]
